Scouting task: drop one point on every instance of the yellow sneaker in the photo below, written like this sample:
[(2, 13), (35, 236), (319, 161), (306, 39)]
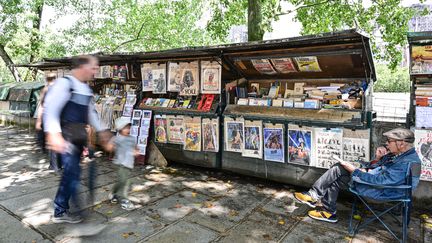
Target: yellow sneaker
[(323, 216), (304, 197)]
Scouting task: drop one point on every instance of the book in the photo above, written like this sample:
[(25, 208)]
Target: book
[(288, 103), (186, 104), (299, 104), (208, 101), (149, 102), (166, 103), (171, 103), (263, 102), (241, 92), (311, 104), (277, 103), (274, 91), (288, 93), (243, 101), (298, 88)]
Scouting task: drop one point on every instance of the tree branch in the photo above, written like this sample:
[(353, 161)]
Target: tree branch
[(303, 6), (9, 63)]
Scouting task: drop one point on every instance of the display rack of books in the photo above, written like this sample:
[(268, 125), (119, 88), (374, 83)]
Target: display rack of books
[(296, 107), (420, 116), (186, 101)]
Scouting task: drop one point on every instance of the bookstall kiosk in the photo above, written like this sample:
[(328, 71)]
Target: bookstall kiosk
[(298, 102), (420, 115)]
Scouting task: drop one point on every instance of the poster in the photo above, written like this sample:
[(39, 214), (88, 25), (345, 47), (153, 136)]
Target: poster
[(146, 114), (174, 76), (234, 134), (137, 114), (421, 59), (284, 65), (252, 146), (356, 145), (263, 66), (423, 117), (142, 149), (423, 146), (189, 79), (210, 134), (159, 79), (134, 131), (175, 129), (192, 137), (274, 147), (308, 64), (142, 140), (160, 124), (127, 111), (136, 122), (147, 77), (328, 142), (211, 72), (105, 72), (300, 144)]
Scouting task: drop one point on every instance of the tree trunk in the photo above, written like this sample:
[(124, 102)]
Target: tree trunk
[(35, 39), (255, 31), (9, 63)]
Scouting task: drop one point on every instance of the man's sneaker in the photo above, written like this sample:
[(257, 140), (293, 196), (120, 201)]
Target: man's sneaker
[(305, 198), (323, 216), (127, 205), (113, 198), (67, 218)]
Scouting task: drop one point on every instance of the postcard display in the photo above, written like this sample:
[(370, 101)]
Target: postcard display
[(184, 97), (421, 99), (288, 116)]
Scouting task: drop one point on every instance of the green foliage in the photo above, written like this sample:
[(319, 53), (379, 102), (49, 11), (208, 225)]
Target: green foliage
[(388, 80)]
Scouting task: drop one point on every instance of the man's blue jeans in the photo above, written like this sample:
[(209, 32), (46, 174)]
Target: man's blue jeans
[(69, 182)]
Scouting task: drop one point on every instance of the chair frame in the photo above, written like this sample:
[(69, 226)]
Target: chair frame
[(404, 202)]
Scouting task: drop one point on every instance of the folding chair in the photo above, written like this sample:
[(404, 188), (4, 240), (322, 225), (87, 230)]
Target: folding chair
[(400, 205)]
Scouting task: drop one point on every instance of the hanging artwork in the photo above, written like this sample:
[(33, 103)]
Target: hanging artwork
[(137, 114), (234, 134), (134, 130), (263, 66), (174, 76), (328, 142), (210, 134), (252, 139), (192, 137), (308, 64), (356, 145), (300, 143), (284, 65), (159, 79), (189, 79), (175, 129), (211, 72), (423, 146), (421, 59), (147, 77), (160, 124), (274, 147)]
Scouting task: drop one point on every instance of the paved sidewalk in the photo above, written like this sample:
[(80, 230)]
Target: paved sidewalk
[(176, 204)]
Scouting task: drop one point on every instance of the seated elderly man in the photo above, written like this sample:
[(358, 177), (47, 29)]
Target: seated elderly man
[(391, 169)]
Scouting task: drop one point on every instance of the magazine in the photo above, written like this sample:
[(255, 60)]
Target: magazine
[(192, 137), (210, 136), (308, 64), (211, 72), (252, 139), (284, 65), (263, 66), (274, 147)]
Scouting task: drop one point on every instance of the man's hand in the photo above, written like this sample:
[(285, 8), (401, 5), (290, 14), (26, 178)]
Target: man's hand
[(380, 152), (56, 142), (348, 166)]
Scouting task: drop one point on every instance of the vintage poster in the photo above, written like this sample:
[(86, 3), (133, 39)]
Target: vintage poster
[(274, 145), (159, 79), (211, 72), (284, 65), (234, 134), (189, 79), (175, 129), (174, 76), (142, 140), (134, 130), (421, 59), (263, 66), (142, 149), (252, 146), (328, 142), (192, 137), (137, 114), (308, 64), (146, 114), (210, 134), (356, 145), (160, 128), (127, 111), (423, 117), (147, 77), (423, 146), (300, 144), (105, 72)]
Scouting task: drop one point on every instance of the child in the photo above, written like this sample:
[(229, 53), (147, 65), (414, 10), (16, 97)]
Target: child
[(125, 151)]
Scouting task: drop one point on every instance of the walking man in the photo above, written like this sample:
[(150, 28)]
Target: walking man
[(68, 109)]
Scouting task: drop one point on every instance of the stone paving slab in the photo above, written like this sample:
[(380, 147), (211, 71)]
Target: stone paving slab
[(184, 232), (11, 187), (261, 226), (308, 233), (12, 230)]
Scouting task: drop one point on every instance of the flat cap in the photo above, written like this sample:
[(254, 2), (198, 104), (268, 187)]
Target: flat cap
[(401, 134)]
